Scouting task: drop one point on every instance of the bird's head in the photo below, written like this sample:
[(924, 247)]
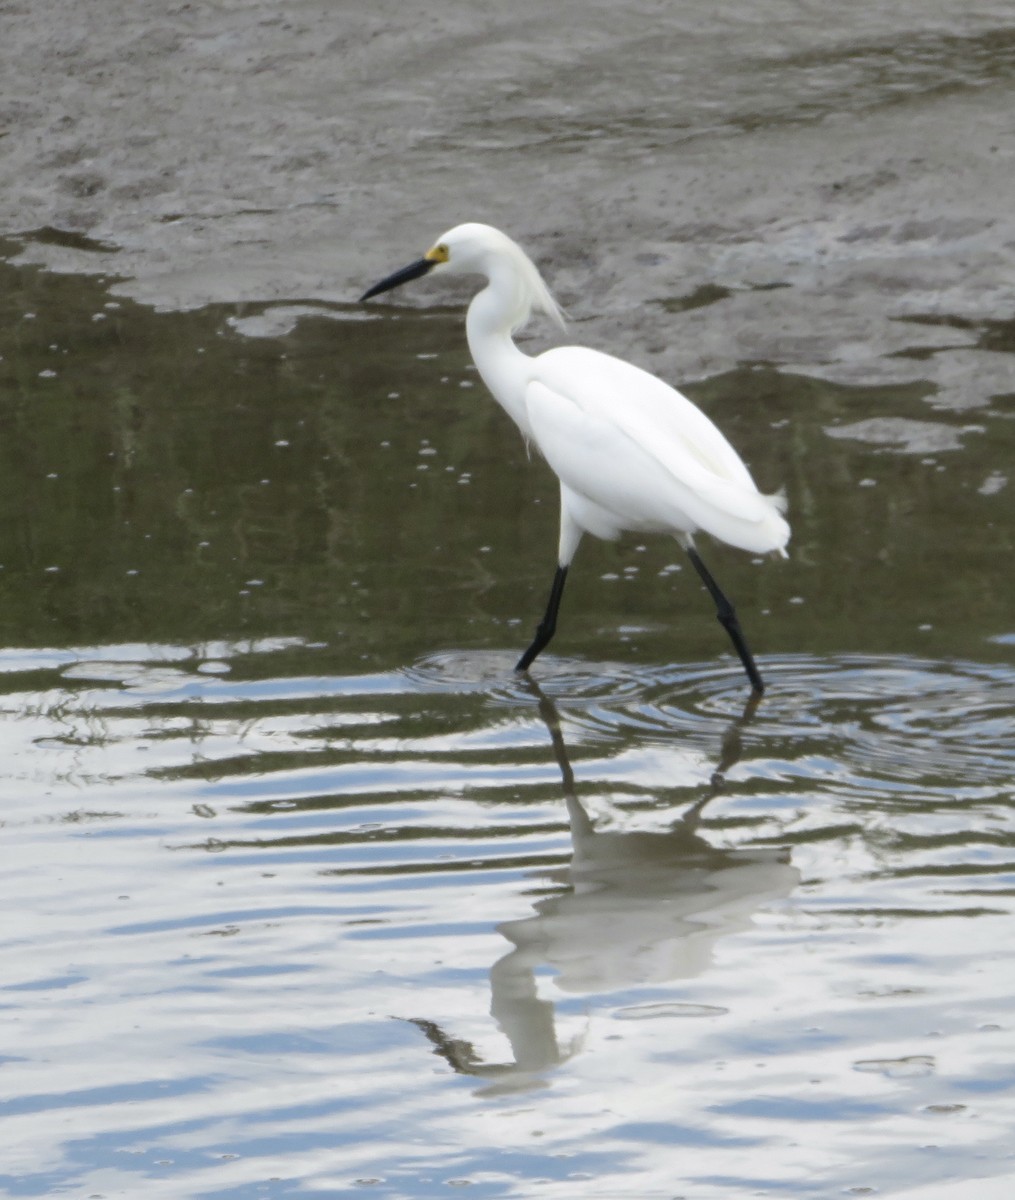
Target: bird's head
[(464, 250), (475, 249)]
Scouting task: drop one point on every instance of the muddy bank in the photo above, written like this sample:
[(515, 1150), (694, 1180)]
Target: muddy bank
[(719, 184)]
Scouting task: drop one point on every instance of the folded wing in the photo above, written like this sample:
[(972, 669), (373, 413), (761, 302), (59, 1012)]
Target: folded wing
[(640, 451)]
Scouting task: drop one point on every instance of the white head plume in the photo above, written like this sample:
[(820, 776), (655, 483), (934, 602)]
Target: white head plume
[(483, 250)]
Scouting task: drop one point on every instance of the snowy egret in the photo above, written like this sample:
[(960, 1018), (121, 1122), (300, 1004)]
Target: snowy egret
[(631, 453)]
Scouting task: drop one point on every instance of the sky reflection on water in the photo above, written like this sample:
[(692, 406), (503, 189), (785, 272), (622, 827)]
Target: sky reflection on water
[(800, 981)]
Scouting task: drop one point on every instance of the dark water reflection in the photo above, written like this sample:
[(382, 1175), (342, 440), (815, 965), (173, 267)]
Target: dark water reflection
[(270, 782), (166, 479)]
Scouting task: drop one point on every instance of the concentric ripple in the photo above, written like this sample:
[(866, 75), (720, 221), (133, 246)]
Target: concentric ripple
[(909, 726)]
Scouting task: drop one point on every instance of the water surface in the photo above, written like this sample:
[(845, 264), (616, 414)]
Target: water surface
[(308, 894)]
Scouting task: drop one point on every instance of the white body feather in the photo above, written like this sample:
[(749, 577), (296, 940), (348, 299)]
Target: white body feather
[(631, 453), (634, 454)]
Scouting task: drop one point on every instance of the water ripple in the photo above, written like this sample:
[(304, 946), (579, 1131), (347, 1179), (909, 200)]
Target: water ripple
[(604, 880)]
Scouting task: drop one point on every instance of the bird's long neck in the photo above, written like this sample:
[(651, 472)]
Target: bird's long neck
[(503, 367)]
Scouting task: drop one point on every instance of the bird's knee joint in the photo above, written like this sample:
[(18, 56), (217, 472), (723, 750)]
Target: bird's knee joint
[(726, 615)]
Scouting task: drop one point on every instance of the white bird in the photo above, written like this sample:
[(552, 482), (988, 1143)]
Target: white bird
[(631, 453)]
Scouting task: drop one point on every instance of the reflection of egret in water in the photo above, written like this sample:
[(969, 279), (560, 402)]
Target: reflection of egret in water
[(637, 908)]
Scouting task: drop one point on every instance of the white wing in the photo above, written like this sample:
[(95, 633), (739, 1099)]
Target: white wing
[(636, 448)]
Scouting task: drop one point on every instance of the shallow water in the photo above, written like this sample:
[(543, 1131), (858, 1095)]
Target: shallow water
[(308, 894), (277, 930)]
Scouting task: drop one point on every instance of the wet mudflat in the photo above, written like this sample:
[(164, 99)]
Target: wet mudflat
[(306, 892)]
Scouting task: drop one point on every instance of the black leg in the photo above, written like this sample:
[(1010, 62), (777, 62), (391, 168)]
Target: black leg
[(727, 616), (551, 719), (732, 747), (548, 625)]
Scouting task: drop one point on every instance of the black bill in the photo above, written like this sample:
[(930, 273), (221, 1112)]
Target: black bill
[(412, 271)]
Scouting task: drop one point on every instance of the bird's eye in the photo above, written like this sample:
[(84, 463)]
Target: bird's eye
[(439, 254)]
